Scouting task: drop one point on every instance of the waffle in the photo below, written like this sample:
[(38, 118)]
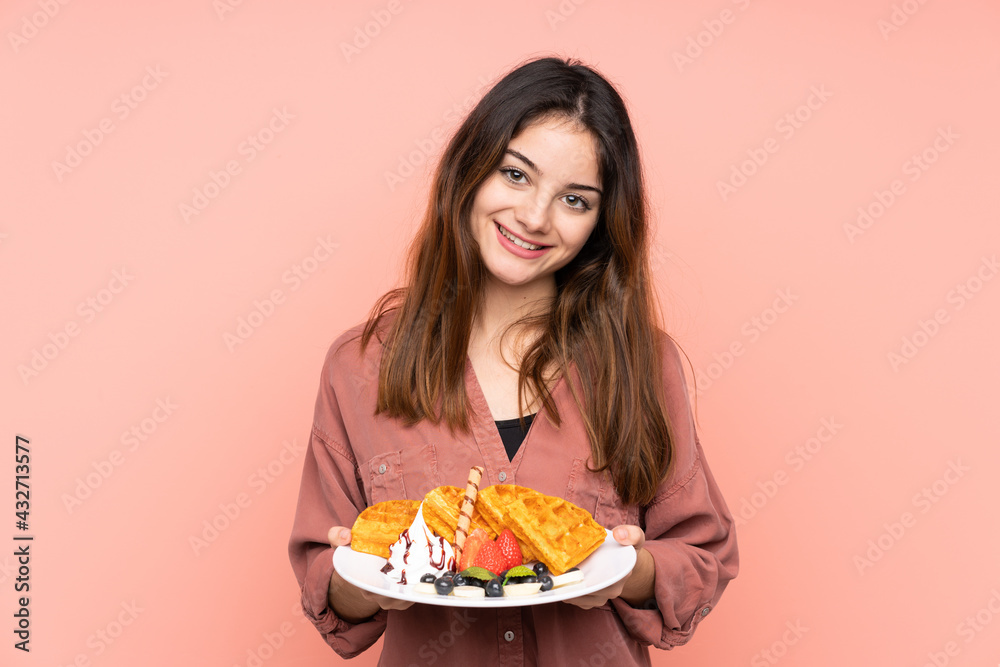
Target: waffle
[(441, 509), (379, 526), (559, 533), (493, 502)]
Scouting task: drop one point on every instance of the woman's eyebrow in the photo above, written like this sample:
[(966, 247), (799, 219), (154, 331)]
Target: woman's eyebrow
[(573, 186)]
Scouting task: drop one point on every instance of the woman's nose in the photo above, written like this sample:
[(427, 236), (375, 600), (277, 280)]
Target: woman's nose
[(533, 213)]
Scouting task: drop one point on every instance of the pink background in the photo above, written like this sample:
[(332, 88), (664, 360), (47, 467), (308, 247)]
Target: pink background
[(842, 546)]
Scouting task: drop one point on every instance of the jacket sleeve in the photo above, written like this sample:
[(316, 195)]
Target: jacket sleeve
[(330, 494), (690, 533)]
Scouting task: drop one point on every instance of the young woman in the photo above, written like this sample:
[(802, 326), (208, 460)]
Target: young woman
[(526, 342)]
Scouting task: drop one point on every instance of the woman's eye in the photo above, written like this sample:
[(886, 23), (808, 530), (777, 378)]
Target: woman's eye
[(576, 201), (515, 175)]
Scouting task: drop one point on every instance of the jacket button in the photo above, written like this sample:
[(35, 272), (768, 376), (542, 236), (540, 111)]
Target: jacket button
[(503, 478), (704, 612), (381, 469), (509, 636)]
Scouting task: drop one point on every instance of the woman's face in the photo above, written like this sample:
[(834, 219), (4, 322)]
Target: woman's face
[(546, 195)]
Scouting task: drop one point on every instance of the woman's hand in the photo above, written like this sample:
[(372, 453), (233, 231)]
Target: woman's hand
[(351, 603), (636, 588)]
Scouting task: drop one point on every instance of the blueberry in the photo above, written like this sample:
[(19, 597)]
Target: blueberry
[(459, 580), (448, 575), (472, 581), (443, 586), (546, 582), (428, 578), (494, 588), (526, 579), (540, 569)]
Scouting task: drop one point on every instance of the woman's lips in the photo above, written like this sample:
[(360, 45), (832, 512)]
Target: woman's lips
[(515, 249)]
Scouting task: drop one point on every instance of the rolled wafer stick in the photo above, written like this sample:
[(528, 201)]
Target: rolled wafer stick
[(465, 513)]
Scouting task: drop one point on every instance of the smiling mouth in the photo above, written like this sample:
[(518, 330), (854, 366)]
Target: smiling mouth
[(517, 241)]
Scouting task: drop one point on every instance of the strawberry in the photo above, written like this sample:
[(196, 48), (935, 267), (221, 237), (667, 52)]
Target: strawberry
[(509, 549), (473, 543), (489, 557)]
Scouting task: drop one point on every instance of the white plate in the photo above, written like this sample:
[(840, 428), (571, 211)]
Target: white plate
[(607, 565)]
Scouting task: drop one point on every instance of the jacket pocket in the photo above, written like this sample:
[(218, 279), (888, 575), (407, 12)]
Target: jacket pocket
[(580, 487), (611, 511), (385, 477), (595, 492)]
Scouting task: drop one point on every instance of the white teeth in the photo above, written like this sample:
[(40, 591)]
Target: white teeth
[(518, 241)]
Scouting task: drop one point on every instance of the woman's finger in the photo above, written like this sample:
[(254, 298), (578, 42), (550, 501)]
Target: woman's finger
[(339, 536), (585, 602), (629, 535), (386, 602), (597, 598)]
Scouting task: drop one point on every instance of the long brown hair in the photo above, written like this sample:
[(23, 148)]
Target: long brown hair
[(602, 318)]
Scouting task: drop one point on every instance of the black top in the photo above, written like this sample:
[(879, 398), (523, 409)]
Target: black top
[(512, 435)]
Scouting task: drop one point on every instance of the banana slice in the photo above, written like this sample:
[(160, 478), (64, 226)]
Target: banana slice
[(469, 592), (567, 578), (425, 588), (512, 590)]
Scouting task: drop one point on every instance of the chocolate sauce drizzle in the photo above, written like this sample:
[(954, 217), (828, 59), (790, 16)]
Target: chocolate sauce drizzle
[(387, 568), (430, 554)]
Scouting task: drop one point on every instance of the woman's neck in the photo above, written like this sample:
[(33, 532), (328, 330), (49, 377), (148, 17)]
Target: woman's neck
[(503, 304)]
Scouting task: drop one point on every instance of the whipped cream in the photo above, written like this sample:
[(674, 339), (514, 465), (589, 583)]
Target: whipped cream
[(418, 551)]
